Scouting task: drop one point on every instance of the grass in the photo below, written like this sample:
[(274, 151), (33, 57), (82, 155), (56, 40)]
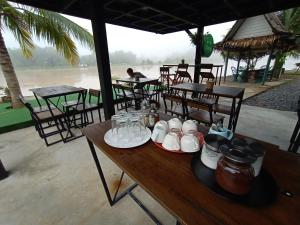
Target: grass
[(13, 119)]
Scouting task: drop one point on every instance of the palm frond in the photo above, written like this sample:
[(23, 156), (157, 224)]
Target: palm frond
[(12, 19)]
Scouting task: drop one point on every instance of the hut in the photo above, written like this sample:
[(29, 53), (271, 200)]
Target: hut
[(252, 38)]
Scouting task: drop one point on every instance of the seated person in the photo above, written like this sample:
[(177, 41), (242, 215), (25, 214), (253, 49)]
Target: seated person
[(135, 74)]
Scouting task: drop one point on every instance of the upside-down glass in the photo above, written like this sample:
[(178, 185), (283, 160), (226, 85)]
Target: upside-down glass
[(115, 125)]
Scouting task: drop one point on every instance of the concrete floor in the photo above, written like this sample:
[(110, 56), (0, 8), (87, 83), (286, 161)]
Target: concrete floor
[(60, 184)]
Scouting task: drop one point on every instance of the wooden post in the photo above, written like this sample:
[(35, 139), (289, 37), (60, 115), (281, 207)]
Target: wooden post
[(101, 49), (237, 67), (267, 67), (198, 54), (3, 172), (226, 65)]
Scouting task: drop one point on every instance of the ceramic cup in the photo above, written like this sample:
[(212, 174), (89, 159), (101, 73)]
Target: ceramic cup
[(171, 142), (189, 125), (189, 143), (175, 123), (159, 131)]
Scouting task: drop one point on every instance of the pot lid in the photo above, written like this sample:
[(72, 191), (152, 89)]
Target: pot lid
[(215, 141), (237, 154)]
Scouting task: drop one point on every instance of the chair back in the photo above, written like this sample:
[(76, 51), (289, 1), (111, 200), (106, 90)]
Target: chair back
[(181, 77), (94, 93), (182, 67), (201, 104), (179, 102), (206, 66), (164, 71), (120, 90)]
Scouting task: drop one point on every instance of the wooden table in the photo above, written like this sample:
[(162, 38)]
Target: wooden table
[(219, 91), (168, 178), (54, 91)]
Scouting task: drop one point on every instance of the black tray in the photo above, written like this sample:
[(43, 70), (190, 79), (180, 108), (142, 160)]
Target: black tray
[(264, 190)]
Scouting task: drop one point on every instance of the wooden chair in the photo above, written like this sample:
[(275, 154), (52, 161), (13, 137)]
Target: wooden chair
[(165, 77), (203, 112), (71, 103), (127, 95), (175, 105), (45, 122), (207, 74), (153, 89), (89, 106), (36, 109)]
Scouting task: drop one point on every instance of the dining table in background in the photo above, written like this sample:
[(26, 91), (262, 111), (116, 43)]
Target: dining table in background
[(54, 93), (169, 179), (235, 93)]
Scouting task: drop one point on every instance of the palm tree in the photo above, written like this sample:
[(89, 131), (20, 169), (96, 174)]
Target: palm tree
[(290, 18), (25, 22)]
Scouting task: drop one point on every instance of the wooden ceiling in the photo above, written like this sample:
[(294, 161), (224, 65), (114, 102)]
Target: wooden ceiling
[(165, 16)]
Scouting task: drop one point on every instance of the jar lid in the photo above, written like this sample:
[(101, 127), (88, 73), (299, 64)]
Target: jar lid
[(257, 149), (237, 154), (238, 141), (214, 141)]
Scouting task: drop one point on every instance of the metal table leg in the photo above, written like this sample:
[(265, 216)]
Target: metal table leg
[(117, 197)]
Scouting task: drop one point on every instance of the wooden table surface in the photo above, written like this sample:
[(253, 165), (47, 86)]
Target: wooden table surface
[(140, 81), (49, 92), (222, 91), (169, 179)]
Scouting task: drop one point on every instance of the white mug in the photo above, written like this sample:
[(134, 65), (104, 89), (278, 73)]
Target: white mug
[(189, 143), (189, 125), (163, 124), (175, 123), (171, 142), (159, 133)]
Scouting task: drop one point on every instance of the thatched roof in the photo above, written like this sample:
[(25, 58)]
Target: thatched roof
[(272, 34)]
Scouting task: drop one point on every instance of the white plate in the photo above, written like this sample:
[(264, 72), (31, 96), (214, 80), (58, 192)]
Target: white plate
[(134, 142)]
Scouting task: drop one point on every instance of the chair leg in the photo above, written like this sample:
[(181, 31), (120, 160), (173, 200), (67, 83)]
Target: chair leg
[(99, 113)]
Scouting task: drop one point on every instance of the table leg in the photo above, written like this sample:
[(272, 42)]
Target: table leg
[(37, 99), (117, 196), (221, 71)]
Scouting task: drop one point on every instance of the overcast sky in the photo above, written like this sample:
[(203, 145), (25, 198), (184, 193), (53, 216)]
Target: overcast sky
[(144, 44)]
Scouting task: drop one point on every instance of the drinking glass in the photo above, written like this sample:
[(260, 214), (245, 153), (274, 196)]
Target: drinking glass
[(115, 125)]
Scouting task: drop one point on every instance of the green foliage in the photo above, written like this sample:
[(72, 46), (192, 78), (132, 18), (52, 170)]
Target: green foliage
[(24, 22), (41, 58)]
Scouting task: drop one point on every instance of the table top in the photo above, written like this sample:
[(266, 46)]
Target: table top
[(168, 178), (140, 81), (223, 91), (49, 92)]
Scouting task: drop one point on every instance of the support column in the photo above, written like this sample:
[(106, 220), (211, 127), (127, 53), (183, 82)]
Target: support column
[(101, 49), (267, 67), (237, 67), (198, 54), (226, 65)]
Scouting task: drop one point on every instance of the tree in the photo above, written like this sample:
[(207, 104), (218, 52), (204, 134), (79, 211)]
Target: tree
[(290, 18), (25, 22)]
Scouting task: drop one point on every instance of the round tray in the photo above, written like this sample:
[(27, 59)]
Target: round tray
[(199, 136), (263, 192), (127, 144)]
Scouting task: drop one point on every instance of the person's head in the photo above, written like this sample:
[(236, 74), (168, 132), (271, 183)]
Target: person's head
[(130, 72)]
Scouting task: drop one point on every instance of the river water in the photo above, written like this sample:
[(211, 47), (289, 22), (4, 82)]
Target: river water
[(78, 77), (88, 77)]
